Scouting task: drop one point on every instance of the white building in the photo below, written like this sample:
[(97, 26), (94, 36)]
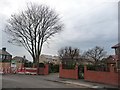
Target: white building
[(49, 59)]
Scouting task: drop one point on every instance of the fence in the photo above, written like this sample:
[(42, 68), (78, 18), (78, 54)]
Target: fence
[(30, 70), (5, 67), (42, 70), (110, 77), (103, 68)]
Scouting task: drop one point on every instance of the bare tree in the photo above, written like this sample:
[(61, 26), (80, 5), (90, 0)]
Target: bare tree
[(33, 27), (97, 53), (68, 53)]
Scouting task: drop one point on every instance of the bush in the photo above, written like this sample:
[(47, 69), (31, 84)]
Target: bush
[(30, 64), (81, 68), (69, 65), (90, 67), (56, 68), (41, 65), (81, 75), (97, 67), (5, 60), (53, 68), (81, 71)]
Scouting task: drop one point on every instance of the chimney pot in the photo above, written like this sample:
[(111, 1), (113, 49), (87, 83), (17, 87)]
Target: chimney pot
[(4, 49)]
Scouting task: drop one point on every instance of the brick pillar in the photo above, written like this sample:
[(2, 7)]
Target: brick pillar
[(111, 69), (46, 69), (119, 79), (76, 70), (60, 70), (85, 70)]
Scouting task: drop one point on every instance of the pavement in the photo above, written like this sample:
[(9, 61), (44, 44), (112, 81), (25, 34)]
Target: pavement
[(80, 82)]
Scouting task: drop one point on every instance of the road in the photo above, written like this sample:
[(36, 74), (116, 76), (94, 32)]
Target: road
[(32, 81)]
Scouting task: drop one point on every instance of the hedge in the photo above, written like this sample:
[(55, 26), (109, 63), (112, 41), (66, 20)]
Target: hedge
[(53, 68)]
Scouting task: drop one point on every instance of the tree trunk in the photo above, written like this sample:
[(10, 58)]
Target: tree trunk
[(34, 62), (37, 64)]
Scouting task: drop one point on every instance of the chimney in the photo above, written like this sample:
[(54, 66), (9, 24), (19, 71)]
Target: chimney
[(4, 49), (24, 57)]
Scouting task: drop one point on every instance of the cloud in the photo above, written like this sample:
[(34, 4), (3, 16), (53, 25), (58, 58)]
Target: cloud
[(87, 24)]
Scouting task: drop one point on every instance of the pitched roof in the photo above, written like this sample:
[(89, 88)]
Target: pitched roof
[(112, 59), (115, 57), (47, 56), (18, 58), (116, 46), (4, 52)]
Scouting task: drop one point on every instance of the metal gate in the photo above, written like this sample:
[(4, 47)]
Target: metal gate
[(81, 72)]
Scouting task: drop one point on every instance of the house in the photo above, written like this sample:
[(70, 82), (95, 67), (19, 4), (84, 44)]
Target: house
[(117, 49), (49, 59), (84, 61), (109, 75), (114, 60), (5, 60), (78, 60), (18, 61), (56, 60), (45, 58), (5, 56)]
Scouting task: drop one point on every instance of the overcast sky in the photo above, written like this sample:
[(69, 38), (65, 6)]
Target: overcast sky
[(87, 23)]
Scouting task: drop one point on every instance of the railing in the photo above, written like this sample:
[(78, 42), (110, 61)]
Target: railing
[(68, 66), (98, 68), (110, 77)]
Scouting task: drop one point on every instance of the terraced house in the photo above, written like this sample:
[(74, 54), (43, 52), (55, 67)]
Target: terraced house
[(5, 59), (114, 60), (5, 56), (49, 58)]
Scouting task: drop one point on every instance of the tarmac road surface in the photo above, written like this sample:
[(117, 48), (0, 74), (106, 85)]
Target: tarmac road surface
[(32, 81)]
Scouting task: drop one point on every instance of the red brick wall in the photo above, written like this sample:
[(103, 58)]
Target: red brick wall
[(5, 67), (41, 71), (101, 77), (20, 65), (68, 73), (44, 71)]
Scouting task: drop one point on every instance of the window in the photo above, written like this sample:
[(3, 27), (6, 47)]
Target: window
[(7, 57), (3, 57)]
